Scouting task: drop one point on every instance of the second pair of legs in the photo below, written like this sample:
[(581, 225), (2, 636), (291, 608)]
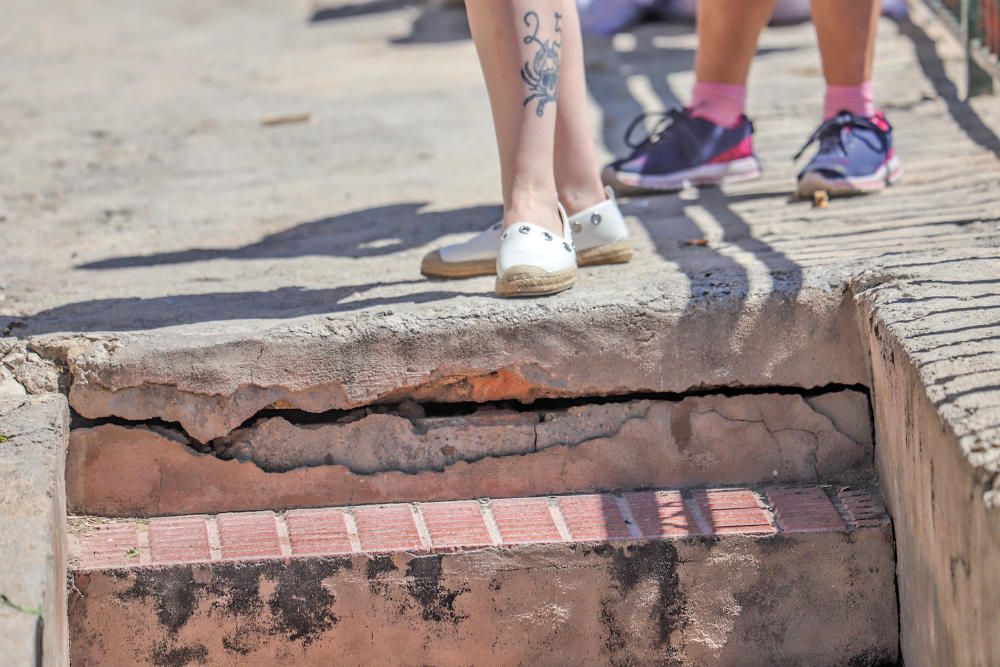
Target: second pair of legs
[(532, 59), (710, 142)]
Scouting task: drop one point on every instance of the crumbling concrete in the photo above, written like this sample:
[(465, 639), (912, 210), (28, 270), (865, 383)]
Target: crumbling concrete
[(118, 471), (33, 436), (778, 430)]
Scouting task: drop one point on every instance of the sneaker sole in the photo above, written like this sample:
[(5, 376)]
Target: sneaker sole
[(433, 266), (744, 169), (813, 182), (533, 281)]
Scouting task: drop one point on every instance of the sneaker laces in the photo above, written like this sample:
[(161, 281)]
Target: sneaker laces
[(832, 131), (665, 120)]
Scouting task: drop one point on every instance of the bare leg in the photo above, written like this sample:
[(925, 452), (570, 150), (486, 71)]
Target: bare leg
[(728, 31), (846, 31), (519, 45), (578, 181)]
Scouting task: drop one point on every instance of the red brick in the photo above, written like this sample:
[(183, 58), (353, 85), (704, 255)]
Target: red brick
[(107, 545), (317, 532), (661, 514), (733, 511), (592, 518), (525, 521), (387, 528), (180, 539), (249, 535), (456, 524), (862, 509), (804, 509)]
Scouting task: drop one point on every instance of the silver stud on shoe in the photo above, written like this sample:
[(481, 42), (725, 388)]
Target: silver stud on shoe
[(577, 227), (568, 247), (548, 237), (503, 237), (524, 229), (595, 219)]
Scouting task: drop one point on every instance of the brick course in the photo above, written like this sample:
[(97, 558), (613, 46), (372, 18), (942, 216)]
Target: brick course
[(456, 525)]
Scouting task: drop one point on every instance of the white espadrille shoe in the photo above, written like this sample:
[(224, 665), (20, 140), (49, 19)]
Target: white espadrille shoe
[(532, 261), (599, 234)]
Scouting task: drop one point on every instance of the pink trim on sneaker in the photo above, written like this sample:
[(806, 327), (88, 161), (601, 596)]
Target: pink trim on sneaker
[(742, 150), (720, 103), (859, 100)]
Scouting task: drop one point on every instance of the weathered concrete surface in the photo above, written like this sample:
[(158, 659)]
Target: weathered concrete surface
[(727, 599), (33, 627), (113, 470), (941, 478)]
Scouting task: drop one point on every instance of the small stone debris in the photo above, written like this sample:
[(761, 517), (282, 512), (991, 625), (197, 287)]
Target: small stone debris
[(701, 243), (821, 199), (286, 119)]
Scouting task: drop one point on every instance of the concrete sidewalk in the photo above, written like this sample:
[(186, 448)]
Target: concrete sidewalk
[(181, 247)]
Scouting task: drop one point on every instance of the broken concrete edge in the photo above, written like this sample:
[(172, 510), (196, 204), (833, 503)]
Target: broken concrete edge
[(732, 599), (211, 383), (33, 529), (24, 371), (116, 470)]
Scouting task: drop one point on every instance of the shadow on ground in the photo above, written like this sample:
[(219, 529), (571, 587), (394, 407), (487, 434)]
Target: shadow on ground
[(728, 265), (135, 314), (433, 24), (374, 232)]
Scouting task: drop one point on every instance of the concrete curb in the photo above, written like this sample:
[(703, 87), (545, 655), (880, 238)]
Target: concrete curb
[(33, 628)]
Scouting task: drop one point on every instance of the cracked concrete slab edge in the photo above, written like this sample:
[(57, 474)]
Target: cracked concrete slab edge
[(213, 384), (33, 530)]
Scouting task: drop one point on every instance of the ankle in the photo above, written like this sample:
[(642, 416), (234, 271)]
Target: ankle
[(857, 99), (720, 103), (580, 199), (543, 212)]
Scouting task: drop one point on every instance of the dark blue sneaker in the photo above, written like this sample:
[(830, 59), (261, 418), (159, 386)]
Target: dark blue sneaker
[(683, 150), (855, 156)]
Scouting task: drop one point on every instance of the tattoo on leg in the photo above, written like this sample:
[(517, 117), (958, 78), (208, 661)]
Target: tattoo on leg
[(542, 73)]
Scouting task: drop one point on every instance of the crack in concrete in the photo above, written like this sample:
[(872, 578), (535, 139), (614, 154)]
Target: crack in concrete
[(546, 433), (812, 435)]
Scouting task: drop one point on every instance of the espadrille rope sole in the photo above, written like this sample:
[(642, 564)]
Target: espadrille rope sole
[(533, 281)]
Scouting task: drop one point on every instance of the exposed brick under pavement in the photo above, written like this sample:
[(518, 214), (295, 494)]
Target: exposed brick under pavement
[(469, 524)]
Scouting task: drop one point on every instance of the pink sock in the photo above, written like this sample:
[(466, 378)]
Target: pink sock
[(859, 100), (721, 103)]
